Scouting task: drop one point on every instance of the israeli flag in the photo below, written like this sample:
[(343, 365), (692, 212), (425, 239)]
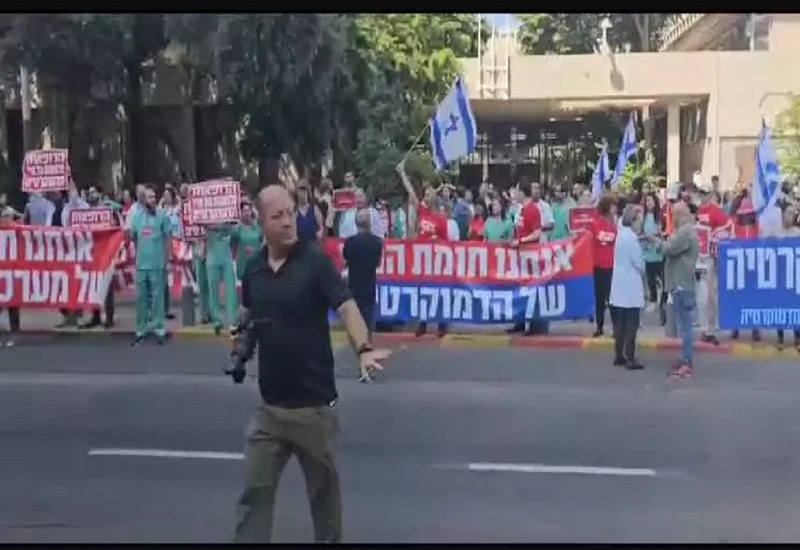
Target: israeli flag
[(767, 184), (601, 174), (627, 149), (453, 129)]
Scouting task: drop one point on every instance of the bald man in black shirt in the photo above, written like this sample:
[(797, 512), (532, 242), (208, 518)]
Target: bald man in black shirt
[(287, 290)]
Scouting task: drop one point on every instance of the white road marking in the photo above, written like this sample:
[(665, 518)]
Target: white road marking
[(166, 453), (554, 469), (472, 466)]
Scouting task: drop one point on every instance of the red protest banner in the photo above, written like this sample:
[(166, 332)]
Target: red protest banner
[(214, 202), (344, 199), (191, 232), (703, 233), (582, 217), (91, 218), (180, 271), (45, 170), (56, 268)]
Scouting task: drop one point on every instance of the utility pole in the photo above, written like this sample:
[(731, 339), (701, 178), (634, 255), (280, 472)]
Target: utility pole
[(25, 101)]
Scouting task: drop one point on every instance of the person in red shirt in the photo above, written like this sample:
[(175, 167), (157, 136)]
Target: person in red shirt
[(712, 216), (745, 226), (432, 227), (604, 235), (476, 228), (527, 231)]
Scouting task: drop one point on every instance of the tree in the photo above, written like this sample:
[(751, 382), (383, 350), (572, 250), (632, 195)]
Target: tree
[(75, 55), (787, 138), (408, 62), (579, 33), (278, 72)]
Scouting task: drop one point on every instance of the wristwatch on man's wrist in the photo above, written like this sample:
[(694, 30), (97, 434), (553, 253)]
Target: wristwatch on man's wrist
[(363, 348)]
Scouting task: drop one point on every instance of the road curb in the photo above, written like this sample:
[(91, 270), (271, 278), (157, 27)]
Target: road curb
[(457, 340)]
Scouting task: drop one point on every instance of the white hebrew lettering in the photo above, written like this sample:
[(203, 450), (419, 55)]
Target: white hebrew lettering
[(462, 304), (423, 259), (394, 260), (443, 260), (767, 270), (529, 264), (8, 246), (478, 262), (389, 301)]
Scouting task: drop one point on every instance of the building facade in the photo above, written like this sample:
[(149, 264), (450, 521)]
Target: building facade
[(706, 92)]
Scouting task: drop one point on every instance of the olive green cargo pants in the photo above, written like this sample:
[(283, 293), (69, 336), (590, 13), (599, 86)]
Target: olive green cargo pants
[(274, 436)]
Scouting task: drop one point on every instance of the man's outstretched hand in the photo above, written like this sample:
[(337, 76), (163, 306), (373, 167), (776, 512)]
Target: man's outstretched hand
[(371, 361)]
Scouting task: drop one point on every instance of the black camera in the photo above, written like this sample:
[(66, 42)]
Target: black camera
[(242, 349)]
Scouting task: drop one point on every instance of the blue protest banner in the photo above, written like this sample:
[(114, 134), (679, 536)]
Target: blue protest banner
[(759, 284)]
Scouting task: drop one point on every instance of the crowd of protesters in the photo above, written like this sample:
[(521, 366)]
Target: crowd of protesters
[(516, 214)]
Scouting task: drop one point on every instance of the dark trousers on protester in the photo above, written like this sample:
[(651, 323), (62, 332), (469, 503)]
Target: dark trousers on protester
[(602, 289), (796, 333), (13, 319), (367, 309), (167, 294), (626, 325), (278, 433), (655, 272), (108, 307)]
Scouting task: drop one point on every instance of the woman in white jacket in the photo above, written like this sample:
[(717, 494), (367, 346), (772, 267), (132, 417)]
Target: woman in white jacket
[(627, 290)]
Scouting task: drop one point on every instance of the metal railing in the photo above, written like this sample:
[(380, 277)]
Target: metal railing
[(678, 26)]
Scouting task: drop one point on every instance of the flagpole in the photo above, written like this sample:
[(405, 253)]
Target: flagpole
[(422, 133), (416, 142)]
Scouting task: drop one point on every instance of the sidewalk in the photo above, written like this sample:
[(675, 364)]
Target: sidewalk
[(563, 334)]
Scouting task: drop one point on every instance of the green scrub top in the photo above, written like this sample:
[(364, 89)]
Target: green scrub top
[(247, 242), (152, 233), (498, 230), (218, 245), (560, 230)]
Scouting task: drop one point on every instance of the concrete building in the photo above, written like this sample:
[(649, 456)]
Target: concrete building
[(704, 93)]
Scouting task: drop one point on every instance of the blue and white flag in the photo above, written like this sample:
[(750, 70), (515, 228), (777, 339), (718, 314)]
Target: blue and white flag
[(767, 184), (627, 149), (453, 130), (602, 172)]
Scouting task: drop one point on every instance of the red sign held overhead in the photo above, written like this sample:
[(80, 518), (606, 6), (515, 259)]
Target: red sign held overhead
[(45, 170), (91, 218), (191, 232), (581, 218), (345, 199), (214, 202)]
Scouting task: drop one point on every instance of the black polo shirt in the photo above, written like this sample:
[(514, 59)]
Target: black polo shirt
[(290, 311)]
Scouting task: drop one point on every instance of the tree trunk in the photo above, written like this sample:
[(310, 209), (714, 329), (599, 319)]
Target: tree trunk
[(642, 23), (269, 171), (134, 112)]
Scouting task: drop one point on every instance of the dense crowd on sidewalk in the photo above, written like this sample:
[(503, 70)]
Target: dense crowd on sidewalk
[(518, 214)]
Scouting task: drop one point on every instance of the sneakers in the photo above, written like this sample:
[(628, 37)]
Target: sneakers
[(710, 339), (680, 370)]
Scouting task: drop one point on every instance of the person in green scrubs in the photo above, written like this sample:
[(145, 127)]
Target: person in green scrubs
[(150, 230), (220, 267), (496, 229), (246, 239), (560, 209)]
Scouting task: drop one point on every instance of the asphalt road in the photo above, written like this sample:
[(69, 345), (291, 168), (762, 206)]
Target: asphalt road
[(576, 450)]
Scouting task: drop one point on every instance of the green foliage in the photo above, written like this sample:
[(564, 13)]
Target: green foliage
[(410, 61), (787, 139), (642, 173), (364, 85), (578, 33)]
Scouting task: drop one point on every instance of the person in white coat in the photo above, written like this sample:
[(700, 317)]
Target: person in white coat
[(627, 290)]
